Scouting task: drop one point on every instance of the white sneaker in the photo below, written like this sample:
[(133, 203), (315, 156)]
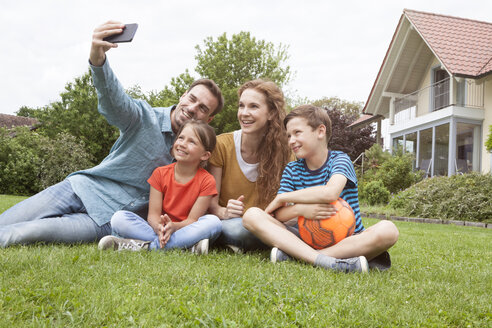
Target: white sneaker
[(354, 264), (119, 244), (277, 255), (201, 248)]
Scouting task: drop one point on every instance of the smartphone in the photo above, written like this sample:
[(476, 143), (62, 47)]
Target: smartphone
[(126, 36)]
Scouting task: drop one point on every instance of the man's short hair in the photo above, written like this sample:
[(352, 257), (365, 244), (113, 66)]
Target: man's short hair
[(315, 116), (214, 89)]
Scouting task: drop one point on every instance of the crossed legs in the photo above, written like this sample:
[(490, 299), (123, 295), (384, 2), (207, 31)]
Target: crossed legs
[(369, 243)]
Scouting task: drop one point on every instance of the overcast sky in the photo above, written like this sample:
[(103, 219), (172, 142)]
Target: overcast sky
[(335, 47)]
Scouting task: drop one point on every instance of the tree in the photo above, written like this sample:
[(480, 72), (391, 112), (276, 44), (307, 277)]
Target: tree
[(231, 62), (350, 108), (169, 95), (488, 143), (76, 114), (351, 142)]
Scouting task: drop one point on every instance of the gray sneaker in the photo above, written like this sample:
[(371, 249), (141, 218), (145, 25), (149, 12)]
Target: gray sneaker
[(119, 244), (354, 264), (277, 255), (235, 249), (201, 248)]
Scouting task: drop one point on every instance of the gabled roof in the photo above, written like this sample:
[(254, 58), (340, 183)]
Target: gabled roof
[(11, 121), (463, 46)]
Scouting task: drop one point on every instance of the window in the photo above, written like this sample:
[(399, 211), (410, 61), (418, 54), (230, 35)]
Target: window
[(440, 89), (441, 150)]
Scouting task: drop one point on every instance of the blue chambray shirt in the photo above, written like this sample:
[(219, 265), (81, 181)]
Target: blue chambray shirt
[(119, 182)]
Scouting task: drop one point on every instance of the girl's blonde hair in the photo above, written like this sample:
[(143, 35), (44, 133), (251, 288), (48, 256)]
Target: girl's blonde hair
[(273, 152)]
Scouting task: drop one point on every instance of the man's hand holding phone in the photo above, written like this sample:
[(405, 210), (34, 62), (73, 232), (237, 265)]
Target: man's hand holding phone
[(107, 36)]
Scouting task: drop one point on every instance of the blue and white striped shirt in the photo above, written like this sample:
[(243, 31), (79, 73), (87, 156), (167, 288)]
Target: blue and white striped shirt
[(297, 176)]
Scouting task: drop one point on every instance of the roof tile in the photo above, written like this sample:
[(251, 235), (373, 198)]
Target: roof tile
[(464, 46)]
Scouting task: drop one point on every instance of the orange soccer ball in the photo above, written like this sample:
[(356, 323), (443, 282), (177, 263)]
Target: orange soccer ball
[(321, 234)]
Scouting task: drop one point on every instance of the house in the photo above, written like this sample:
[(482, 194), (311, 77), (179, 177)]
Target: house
[(434, 88), (12, 121)]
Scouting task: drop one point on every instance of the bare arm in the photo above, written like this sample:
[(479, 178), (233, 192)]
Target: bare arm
[(310, 211), (198, 209), (155, 209), (314, 195)]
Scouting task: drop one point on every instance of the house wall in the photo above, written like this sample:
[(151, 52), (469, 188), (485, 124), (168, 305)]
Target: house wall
[(487, 102), (423, 102)]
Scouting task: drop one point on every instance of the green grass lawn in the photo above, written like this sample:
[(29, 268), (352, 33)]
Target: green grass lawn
[(441, 277)]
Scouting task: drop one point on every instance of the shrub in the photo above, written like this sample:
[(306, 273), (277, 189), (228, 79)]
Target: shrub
[(397, 173), (488, 142), (30, 162), (459, 197), (19, 162), (394, 171), (60, 157), (374, 192)]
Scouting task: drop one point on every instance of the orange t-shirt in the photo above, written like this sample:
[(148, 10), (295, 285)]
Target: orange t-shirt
[(179, 198)]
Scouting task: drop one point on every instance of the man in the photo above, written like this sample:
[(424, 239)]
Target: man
[(79, 208)]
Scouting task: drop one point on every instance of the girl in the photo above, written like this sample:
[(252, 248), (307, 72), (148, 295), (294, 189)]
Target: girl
[(180, 194), (247, 164)]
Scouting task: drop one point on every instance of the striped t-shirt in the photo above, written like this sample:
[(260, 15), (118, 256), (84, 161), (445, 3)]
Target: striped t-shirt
[(297, 176)]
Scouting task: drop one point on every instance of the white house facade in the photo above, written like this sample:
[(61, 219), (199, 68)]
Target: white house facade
[(434, 90)]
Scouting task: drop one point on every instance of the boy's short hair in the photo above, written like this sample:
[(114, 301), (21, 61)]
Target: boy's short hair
[(315, 116)]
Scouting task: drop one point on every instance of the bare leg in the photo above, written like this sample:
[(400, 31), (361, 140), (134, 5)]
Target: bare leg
[(370, 243), (274, 233)]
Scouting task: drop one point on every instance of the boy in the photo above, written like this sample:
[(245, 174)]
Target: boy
[(311, 183)]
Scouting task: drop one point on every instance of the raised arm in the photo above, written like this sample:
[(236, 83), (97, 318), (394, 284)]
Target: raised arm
[(99, 47), (118, 108)]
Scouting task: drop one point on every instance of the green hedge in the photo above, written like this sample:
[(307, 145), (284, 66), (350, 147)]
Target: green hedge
[(31, 162), (460, 197)]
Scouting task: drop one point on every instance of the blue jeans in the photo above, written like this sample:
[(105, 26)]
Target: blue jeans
[(55, 214), (129, 225), (234, 233)]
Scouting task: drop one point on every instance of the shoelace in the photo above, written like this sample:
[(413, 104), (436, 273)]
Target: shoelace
[(346, 265), (132, 245)]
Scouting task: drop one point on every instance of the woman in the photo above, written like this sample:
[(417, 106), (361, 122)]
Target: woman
[(247, 164)]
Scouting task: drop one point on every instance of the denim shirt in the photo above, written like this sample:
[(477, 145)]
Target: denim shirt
[(119, 182)]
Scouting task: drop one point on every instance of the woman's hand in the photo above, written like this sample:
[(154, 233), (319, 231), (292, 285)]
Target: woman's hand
[(234, 209)]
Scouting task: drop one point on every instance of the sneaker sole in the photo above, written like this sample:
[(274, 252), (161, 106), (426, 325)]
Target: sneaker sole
[(204, 247), (273, 255), (364, 265)]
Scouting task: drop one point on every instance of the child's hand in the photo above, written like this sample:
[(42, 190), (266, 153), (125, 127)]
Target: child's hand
[(316, 211), (274, 205), (168, 229), (164, 234), (234, 209)]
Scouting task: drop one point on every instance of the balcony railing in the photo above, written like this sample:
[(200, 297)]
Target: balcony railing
[(467, 93)]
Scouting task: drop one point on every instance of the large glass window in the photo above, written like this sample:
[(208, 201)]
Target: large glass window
[(441, 150), (425, 150), (398, 142), (411, 146), (433, 154), (467, 147)]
